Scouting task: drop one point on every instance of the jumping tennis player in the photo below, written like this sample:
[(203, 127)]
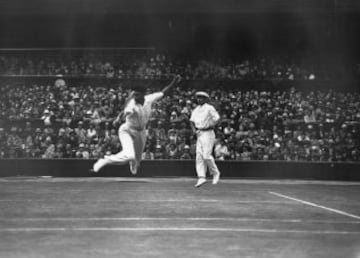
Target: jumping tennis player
[(132, 133)]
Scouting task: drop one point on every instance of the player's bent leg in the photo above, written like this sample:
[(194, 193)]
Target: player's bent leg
[(209, 159), (134, 166), (100, 164), (214, 171), (200, 170), (216, 178), (127, 154), (139, 141)]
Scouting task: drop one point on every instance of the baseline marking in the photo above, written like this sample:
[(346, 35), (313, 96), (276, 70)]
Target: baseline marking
[(177, 218), (150, 201), (249, 230), (316, 205)]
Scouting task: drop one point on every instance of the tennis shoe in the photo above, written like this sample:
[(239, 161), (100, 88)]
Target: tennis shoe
[(99, 165), (134, 166), (200, 182), (216, 178)]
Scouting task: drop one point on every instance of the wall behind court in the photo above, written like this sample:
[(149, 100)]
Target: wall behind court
[(180, 168)]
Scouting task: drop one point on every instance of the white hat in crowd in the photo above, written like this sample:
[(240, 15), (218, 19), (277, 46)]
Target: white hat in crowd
[(202, 94)]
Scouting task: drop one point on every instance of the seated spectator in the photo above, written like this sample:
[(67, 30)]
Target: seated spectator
[(80, 132), (171, 151), (309, 116), (159, 154), (172, 134), (186, 153), (91, 132), (49, 148), (47, 118), (160, 132), (82, 153), (287, 125), (221, 150), (173, 117), (184, 130), (14, 144), (246, 153), (147, 154)]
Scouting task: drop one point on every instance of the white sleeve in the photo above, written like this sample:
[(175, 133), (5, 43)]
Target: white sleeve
[(192, 117), (129, 109), (214, 114), (150, 98)]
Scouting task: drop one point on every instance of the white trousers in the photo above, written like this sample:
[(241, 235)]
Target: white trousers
[(133, 144), (204, 158)]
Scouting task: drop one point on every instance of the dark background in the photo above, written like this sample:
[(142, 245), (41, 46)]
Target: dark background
[(323, 31)]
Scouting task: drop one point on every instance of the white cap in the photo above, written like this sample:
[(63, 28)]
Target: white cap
[(202, 94)]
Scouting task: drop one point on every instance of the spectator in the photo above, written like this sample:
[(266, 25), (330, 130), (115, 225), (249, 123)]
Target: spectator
[(186, 153), (252, 119), (49, 149), (159, 154), (91, 132), (82, 153), (171, 151), (148, 154), (221, 150), (47, 118)]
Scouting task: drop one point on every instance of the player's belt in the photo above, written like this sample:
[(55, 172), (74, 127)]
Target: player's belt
[(137, 128), (205, 129)]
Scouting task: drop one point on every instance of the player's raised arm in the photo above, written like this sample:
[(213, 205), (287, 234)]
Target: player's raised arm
[(175, 80), (153, 97)]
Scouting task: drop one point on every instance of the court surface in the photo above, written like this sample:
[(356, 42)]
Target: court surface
[(168, 217)]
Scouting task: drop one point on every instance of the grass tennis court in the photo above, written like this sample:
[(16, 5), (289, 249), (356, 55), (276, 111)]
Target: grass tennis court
[(168, 217)]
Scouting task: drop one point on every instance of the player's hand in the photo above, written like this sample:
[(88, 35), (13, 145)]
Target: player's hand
[(115, 123), (131, 95), (178, 78)]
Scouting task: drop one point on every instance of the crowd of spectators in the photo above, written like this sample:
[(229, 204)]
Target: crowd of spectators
[(155, 66), (77, 122)]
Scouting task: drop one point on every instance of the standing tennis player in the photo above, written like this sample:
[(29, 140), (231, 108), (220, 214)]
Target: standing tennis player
[(203, 120), (132, 133)]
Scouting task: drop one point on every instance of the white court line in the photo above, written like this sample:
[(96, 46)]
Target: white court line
[(179, 219), (148, 201), (197, 229), (316, 205), (37, 179)]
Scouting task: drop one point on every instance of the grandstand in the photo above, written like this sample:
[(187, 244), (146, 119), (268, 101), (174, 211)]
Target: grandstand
[(284, 77)]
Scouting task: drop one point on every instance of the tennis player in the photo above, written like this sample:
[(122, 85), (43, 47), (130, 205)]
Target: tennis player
[(203, 120), (132, 133)]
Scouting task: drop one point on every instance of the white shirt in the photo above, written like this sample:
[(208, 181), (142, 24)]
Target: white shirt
[(137, 115), (149, 100), (204, 116)]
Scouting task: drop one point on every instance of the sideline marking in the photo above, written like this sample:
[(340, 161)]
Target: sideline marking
[(177, 218), (249, 230), (148, 201), (316, 205), (35, 179)]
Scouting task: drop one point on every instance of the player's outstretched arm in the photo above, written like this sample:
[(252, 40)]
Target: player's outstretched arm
[(151, 98), (175, 80)]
